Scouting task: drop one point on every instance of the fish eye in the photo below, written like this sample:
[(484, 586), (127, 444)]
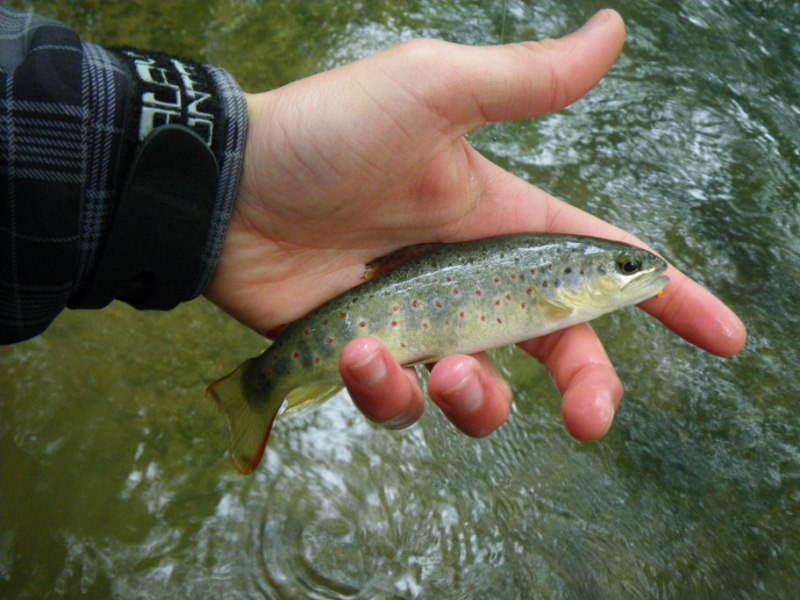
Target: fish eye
[(627, 265)]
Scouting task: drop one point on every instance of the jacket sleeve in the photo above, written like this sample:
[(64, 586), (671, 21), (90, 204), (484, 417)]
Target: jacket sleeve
[(72, 116)]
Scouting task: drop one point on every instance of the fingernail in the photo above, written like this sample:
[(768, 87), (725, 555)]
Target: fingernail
[(371, 369), (465, 397), (599, 18), (402, 420), (607, 405)]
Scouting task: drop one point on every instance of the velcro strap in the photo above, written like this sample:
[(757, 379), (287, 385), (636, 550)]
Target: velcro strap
[(152, 257)]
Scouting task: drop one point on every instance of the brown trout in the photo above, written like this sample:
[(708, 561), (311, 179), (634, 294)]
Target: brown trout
[(458, 298)]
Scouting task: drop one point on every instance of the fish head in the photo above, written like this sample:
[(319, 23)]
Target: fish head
[(603, 276)]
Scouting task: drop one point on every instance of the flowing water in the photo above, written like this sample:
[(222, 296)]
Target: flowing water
[(115, 479)]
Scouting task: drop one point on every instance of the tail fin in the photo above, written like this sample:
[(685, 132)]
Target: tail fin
[(249, 419)]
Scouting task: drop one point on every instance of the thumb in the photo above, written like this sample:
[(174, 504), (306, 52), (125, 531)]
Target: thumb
[(476, 85)]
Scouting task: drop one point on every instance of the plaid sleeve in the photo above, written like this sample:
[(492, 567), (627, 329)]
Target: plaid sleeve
[(68, 128)]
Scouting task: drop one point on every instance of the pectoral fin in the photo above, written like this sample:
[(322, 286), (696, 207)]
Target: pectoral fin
[(552, 310)]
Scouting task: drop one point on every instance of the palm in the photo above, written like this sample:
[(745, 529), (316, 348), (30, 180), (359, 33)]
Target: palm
[(326, 208)]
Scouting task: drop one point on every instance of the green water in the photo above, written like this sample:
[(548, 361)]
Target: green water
[(115, 479)]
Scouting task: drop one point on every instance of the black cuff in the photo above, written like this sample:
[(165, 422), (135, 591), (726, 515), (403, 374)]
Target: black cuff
[(156, 254), (153, 253)]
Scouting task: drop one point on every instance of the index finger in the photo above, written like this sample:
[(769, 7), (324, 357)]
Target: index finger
[(695, 314)]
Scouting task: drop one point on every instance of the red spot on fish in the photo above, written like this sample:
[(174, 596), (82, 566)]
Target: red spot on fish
[(396, 309), (456, 292), (317, 360), (497, 281), (508, 297), (325, 323), (426, 326), (296, 355), (514, 276), (395, 323), (330, 341), (497, 302), (530, 291), (461, 314), (415, 304), (478, 293), (363, 324), (438, 305), (343, 315)]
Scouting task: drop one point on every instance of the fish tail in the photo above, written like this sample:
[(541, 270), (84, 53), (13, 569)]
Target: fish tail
[(250, 414)]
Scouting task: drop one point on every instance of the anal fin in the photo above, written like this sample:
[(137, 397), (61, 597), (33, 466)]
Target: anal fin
[(310, 395)]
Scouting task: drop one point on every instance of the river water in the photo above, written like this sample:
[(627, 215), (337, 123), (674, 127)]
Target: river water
[(115, 479)]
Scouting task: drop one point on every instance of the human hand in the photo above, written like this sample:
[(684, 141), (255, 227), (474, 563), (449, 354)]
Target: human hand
[(351, 164)]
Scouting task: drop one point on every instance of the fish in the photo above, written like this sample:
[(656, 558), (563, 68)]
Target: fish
[(461, 297)]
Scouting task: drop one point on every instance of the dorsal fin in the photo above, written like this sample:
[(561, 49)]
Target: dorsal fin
[(384, 264)]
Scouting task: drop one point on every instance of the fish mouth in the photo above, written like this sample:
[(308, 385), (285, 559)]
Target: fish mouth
[(644, 288)]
